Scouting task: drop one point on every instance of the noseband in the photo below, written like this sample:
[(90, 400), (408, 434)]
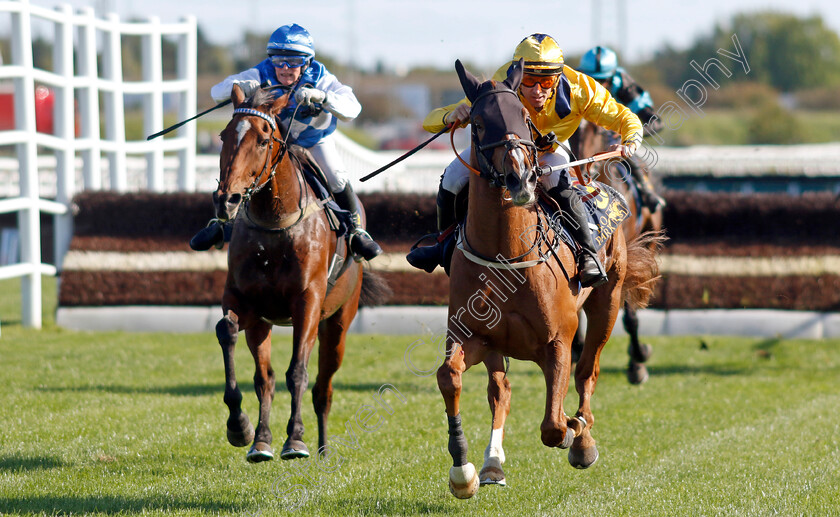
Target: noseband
[(485, 164), (256, 186)]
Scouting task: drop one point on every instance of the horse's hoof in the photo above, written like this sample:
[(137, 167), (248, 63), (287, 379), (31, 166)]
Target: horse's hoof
[(637, 373), (491, 475), (463, 481), (642, 355), (294, 449), (241, 437), (260, 451), (583, 458)]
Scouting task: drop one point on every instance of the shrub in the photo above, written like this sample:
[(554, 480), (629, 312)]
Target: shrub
[(773, 124)]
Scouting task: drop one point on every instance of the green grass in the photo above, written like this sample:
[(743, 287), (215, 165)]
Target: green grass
[(127, 424)]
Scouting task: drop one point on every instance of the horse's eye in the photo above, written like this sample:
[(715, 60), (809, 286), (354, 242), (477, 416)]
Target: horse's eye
[(263, 143)]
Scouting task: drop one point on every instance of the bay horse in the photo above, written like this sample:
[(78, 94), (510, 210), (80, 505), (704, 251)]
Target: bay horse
[(590, 140), (281, 255), (509, 297)]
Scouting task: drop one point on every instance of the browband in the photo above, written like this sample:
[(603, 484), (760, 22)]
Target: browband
[(257, 113)]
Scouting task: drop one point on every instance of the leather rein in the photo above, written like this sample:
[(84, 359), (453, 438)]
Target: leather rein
[(270, 166)]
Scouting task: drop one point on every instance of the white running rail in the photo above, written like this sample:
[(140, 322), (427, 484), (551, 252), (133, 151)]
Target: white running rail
[(90, 40)]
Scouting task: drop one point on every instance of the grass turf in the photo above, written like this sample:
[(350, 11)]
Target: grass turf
[(125, 424)]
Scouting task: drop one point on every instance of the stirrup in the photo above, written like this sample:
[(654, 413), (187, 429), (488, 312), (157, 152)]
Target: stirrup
[(427, 258), (595, 280), (654, 202), (212, 235), (368, 248)]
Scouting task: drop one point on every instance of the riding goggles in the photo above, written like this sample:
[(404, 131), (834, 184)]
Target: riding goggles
[(281, 61), (546, 82)]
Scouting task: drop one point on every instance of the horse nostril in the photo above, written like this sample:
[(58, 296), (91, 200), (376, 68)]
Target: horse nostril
[(532, 177), (234, 199), (512, 182)]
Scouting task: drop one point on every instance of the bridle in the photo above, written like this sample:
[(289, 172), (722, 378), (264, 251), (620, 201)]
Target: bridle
[(270, 165), (486, 168)]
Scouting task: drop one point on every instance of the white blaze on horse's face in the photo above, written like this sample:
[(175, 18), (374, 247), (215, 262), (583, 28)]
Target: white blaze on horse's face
[(519, 177), (242, 129)]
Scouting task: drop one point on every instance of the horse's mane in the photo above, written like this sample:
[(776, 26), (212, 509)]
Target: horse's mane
[(261, 97)]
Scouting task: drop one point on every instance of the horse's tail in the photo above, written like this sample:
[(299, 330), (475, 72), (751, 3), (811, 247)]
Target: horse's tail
[(375, 289), (642, 268)]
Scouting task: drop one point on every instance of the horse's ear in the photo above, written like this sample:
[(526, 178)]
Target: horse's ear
[(515, 72), (469, 82), (237, 96), (279, 103)]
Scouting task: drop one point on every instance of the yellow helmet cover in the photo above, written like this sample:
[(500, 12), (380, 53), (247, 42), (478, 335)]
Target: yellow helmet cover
[(542, 55)]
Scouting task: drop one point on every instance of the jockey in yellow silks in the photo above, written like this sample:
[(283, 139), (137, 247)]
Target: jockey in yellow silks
[(558, 98)]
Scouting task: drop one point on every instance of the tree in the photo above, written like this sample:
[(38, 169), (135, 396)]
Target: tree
[(212, 59), (783, 51)]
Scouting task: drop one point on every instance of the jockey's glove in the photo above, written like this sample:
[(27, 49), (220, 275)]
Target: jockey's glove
[(309, 96), (628, 149), (248, 86)]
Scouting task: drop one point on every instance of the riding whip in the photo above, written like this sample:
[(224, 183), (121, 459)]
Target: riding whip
[(205, 112), (406, 155)]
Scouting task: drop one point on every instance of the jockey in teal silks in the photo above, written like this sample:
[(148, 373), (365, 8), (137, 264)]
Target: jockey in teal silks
[(601, 63)]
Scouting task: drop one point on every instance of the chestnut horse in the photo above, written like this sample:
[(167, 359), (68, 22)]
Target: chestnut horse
[(281, 253), (587, 141), (511, 297)]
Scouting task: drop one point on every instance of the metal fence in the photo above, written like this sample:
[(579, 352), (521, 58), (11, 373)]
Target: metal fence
[(90, 90)]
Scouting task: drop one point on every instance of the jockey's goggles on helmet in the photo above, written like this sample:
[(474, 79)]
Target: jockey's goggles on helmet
[(545, 81), (288, 61)]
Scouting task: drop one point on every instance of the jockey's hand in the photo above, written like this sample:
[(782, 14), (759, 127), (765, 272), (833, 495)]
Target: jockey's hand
[(248, 86), (309, 96), (627, 150), (460, 116)]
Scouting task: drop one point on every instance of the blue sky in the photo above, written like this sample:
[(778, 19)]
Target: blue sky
[(436, 32)]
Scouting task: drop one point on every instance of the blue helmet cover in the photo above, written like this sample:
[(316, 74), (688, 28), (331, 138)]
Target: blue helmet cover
[(291, 38), (599, 63)]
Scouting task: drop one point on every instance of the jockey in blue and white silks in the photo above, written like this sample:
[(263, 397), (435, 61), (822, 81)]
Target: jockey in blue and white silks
[(310, 126), (317, 101)]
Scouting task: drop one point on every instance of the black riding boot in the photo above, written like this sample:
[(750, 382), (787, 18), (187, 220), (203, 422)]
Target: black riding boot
[(428, 258), (649, 198), (211, 235), (592, 273), (361, 243)]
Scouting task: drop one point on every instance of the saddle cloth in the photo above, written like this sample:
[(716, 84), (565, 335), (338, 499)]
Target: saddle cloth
[(605, 209)]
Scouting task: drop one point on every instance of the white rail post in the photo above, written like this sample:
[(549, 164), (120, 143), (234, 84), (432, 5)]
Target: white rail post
[(153, 101), (89, 102), (29, 218), (115, 104), (65, 166), (187, 69)]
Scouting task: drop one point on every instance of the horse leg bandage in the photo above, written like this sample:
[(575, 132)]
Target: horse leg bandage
[(457, 441)]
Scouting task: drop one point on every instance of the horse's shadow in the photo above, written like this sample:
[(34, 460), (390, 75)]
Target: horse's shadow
[(388, 506), (182, 390), (29, 463), (47, 504)]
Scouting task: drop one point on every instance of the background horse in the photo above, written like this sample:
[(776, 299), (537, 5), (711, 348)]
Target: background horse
[(512, 297), (280, 257), (587, 141)]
